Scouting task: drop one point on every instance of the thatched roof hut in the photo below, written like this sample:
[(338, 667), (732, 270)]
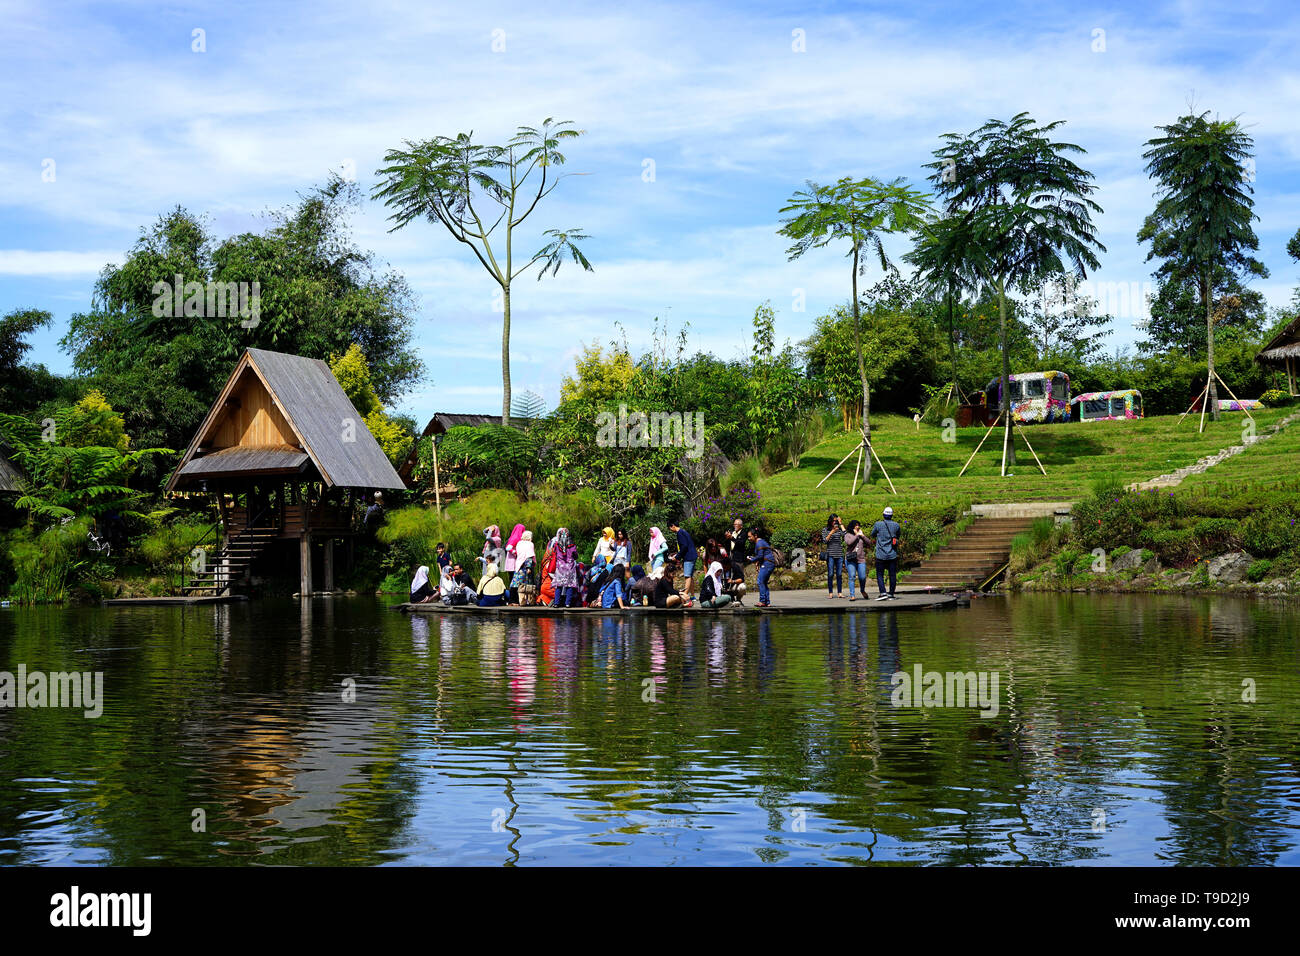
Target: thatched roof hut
[(1283, 351)]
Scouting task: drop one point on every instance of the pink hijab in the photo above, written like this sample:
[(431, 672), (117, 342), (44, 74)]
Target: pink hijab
[(515, 536), (656, 542)]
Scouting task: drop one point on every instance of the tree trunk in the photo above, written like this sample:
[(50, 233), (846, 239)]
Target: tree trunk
[(862, 372), (1213, 396), (505, 357), (1008, 438), (952, 346)]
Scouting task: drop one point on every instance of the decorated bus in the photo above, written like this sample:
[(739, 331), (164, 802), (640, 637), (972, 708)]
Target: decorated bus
[(1034, 396), (1108, 406)]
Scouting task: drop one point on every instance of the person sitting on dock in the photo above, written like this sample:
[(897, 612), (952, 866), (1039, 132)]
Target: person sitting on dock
[(733, 578), (642, 588), (613, 593), (713, 588), (666, 593), (421, 591), (597, 578), (491, 589), (886, 532), (462, 588)]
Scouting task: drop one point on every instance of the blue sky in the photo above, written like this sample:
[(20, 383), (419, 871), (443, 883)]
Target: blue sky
[(734, 118)]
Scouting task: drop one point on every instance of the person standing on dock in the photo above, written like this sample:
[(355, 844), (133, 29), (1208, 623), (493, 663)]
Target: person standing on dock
[(766, 561), (833, 554), (855, 558), (736, 539), (886, 532), (687, 554)]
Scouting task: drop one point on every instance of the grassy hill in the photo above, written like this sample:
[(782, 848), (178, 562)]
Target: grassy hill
[(924, 467)]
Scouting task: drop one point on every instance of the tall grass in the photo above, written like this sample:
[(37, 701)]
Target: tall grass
[(47, 565)]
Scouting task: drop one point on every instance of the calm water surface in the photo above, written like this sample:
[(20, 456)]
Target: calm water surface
[(341, 732)]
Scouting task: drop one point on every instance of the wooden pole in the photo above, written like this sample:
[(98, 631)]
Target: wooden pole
[(980, 445), (837, 467), (1234, 397), (437, 485), (1030, 447), (1006, 433), (856, 468), (1205, 401), (892, 489), (304, 565), (1201, 397)]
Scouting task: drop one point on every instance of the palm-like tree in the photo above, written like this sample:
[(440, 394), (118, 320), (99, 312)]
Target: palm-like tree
[(1023, 212), (473, 189), (1204, 210), (859, 213)]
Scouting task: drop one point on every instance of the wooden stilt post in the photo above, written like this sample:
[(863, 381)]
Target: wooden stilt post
[(1234, 397), (1030, 447), (882, 469), (328, 564), (980, 445), (1200, 398), (304, 565), (837, 467)]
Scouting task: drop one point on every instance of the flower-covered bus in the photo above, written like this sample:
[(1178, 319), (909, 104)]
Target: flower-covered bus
[(1034, 396), (1109, 406)]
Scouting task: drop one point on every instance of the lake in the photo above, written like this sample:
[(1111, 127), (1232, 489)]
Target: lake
[(1115, 729)]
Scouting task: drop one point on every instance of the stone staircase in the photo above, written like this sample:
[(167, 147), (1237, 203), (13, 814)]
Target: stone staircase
[(972, 557)]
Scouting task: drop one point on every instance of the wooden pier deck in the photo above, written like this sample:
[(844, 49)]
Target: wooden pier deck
[(784, 602), (182, 601)]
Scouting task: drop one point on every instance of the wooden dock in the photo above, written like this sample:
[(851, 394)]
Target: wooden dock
[(807, 601), (184, 601)]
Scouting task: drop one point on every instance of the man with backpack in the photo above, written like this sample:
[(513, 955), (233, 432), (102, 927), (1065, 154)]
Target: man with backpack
[(767, 558), (886, 532)]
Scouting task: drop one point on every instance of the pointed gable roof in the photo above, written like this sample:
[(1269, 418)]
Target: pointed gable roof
[(302, 410)]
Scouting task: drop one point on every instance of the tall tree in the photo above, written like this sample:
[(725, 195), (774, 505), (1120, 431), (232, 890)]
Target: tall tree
[(1025, 212), (944, 266), (859, 213), (1202, 220), (473, 189), (319, 294)]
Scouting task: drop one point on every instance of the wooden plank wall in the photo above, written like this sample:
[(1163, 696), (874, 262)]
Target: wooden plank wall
[(257, 421)]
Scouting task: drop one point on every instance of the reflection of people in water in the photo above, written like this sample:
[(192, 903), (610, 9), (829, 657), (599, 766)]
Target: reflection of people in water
[(891, 658)]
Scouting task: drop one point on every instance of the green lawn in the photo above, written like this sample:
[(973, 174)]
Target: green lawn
[(924, 467), (1264, 465)]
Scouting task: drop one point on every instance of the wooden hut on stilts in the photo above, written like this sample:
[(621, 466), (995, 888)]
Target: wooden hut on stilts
[(1283, 352), (291, 465)]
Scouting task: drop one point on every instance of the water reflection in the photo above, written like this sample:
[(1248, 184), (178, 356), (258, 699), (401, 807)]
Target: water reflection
[(335, 731)]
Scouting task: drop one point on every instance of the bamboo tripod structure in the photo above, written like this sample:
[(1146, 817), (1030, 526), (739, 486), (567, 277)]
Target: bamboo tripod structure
[(1005, 437), (858, 468), (1204, 399)]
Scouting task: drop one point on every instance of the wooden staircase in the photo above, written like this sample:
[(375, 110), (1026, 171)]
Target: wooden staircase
[(231, 564), (972, 557)]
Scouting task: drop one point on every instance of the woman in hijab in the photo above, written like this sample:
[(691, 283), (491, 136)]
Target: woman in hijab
[(512, 545), (447, 585), (420, 589), (604, 547), (711, 590), (565, 575), (525, 559), (491, 588), (597, 577), (491, 546), (642, 589), (658, 552)]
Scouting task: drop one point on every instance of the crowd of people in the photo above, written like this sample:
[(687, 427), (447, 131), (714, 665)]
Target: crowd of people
[(511, 573)]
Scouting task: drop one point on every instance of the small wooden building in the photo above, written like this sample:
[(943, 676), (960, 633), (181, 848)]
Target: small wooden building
[(439, 425), (290, 462), (10, 475), (1283, 352)]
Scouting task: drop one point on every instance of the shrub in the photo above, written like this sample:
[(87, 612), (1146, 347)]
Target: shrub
[(741, 501), (1259, 570), (1269, 531), (746, 472)]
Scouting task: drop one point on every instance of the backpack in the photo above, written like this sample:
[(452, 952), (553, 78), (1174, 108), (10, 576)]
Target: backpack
[(778, 557)]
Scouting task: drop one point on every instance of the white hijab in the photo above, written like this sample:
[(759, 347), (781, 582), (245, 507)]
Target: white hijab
[(421, 578), (524, 549), (715, 572)]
